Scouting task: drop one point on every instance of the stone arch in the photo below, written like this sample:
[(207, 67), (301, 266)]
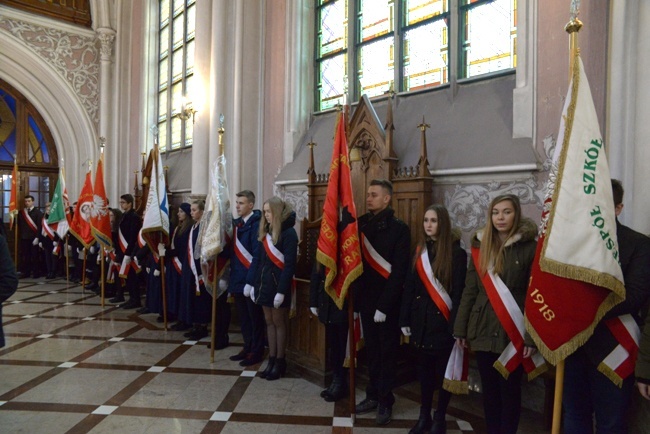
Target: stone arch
[(71, 127)]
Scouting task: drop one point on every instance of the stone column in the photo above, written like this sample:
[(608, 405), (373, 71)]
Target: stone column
[(106, 38)]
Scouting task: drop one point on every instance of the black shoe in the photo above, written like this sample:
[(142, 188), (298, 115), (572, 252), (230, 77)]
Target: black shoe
[(384, 414), (117, 299), (180, 326), (278, 371), (251, 359), (239, 356), (324, 392), (439, 425), (366, 406), (160, 318), (338, 390), (423, 424), (269, 367), (143, 310), (93, 286), (197, 334), (220, 345), (50, 276), (130, 305)]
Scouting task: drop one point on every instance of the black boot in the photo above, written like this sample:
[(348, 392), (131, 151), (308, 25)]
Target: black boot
[(338, 389), (269, 367), (324, 392), (423, 424), (279, 369), (439, 423)]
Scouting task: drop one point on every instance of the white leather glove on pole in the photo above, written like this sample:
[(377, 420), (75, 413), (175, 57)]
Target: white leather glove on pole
[(161, 250), (406, 331), (156, 273), (277, 301), (35, 242), (247, 290), (380, 316), (223, 285), (314, 311)]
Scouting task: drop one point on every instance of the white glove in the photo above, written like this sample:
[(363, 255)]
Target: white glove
[(156, 273), (406, 331), (314, 311), (93, 250), (35, 242), (55, 244), (223, 285), (247, 290), (161, 250), (82, 253), (40, 245), (253, 293), (148, 270), (135, 258), (277, 301), (380, 316)]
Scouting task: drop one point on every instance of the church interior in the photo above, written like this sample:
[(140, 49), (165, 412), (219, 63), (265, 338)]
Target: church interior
[(454, 101)]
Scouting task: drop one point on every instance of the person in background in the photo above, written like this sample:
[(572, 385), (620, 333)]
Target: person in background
[(272, 273), (430, 301), (29, 227), (47, 240), (385, 247), (128, 245), (176, 258), (507, 248)]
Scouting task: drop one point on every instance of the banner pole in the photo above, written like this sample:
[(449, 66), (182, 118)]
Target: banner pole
[(163, 288), (102, 275), (83, 274), (213, 330), (16, 243), (67, 262), (353, 356)]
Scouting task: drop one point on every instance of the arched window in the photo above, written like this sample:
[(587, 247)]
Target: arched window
[(25, 136), (406, 45), (176, 25)]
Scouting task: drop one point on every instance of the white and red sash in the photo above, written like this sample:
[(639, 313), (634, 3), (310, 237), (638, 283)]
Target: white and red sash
[(619, 364), (244, 255), (126, 266), (435, 289), (123, 243), (29, 220), (198, 278), (57, 249), (277, 257), (457, 371), (46, 230), (357, 335), (374, 259), (512, 320), (178, 265)]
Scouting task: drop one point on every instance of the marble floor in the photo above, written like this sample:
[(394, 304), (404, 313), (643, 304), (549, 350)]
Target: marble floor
[(71, 366)]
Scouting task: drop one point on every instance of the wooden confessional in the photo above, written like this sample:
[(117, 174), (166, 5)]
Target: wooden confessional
[(371, 156)]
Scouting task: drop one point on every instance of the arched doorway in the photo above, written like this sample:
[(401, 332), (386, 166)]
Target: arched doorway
[(25, 137)]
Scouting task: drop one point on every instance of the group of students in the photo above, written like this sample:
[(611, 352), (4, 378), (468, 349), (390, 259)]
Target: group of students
[(433, 297), (437, 300)]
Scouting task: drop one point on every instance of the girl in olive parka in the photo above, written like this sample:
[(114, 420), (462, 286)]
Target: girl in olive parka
[(507, 244)]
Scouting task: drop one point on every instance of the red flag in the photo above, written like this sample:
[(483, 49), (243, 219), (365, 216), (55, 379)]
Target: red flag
[(100, 221), (576, 277), (13, 210), (338, 243), (80, 226)]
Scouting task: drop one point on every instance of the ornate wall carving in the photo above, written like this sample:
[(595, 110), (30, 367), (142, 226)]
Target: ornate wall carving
[(74, 57)]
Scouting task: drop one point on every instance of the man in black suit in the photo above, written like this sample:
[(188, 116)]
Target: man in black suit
[(29, 228)]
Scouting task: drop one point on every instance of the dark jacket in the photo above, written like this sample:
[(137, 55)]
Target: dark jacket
[(429, 328), (643, 362), (390, 237), (634, 256), (8, 280), (247, 234), (267, 278), (129, 227), (26, 231), (328, 312), (476, 319)]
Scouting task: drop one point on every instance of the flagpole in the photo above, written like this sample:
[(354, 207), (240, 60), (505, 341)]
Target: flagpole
[(67, 260), (572, 28), (215, 288), (83, 274), (103, 278), (353, 355), (16, 217)]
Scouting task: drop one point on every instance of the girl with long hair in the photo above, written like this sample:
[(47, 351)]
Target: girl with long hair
[(176, 256), (502, 255), (273, 268), (430, 299)]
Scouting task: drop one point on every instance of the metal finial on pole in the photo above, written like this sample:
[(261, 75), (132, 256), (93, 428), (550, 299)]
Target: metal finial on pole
[(221, 131), (572, 28), (102, 144)]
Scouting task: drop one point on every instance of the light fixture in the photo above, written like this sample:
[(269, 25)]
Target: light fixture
[(186, 111)]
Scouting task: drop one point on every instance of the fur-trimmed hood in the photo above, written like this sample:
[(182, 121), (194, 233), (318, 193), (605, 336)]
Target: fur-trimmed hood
[(527, 231)]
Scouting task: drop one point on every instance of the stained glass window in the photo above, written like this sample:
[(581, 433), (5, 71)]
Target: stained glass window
[(7, 126), (489, 36), (331, 53), (404, 45), (175, 71)]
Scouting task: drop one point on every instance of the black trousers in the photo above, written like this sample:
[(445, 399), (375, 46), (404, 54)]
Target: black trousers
[(501, 397), (337, 339), (382, 345), (30, 258), (252, 322), (431, 367), (222, 321)]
